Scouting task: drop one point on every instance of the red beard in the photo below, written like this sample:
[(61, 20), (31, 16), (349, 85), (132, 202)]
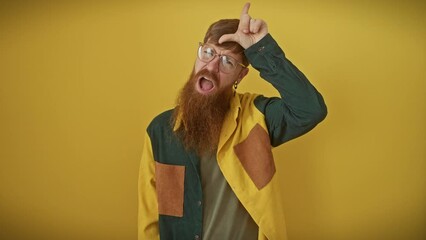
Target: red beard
[(201, 115)]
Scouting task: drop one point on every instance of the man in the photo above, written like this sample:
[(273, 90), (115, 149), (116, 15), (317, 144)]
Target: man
[(207, 170)]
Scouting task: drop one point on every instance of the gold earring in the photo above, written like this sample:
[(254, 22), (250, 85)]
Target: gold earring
[(235, 85)]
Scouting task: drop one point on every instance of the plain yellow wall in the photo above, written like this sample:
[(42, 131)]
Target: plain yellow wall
[(80, 81)]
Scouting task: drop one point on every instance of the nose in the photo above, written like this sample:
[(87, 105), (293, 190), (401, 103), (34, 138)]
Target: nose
[(213, 65)]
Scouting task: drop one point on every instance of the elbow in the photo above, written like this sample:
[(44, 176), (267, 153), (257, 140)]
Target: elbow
[(316, 115), (315, 111), (321, 113)]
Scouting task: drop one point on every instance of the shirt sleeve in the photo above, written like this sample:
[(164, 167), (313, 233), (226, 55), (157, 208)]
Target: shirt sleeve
[(148, 207), (300, 108)]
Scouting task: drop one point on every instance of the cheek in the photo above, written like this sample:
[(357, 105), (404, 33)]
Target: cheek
[(228, 80), (198, 65)]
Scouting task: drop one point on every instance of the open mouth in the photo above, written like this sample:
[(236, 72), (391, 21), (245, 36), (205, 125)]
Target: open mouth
[(205, 85)]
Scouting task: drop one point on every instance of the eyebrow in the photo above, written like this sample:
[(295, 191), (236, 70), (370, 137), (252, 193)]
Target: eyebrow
[(234, 54)]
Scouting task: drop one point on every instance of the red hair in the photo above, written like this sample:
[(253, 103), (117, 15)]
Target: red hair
[(221, 27)]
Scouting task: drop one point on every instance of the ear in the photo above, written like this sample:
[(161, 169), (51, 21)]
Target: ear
[(242, 74)]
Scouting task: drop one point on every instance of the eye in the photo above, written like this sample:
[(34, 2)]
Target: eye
[(208, 52), (228, 61)]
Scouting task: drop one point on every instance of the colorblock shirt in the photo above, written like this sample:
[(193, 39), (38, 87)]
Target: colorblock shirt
[(170, 186)]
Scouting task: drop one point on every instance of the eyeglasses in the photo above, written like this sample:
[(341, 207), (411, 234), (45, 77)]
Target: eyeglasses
[(227, 64)]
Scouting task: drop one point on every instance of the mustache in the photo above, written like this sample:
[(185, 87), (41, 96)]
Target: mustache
[(207, 74)]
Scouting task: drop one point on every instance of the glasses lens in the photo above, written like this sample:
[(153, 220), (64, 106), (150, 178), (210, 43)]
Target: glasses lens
[(206, 53), (227, 63)]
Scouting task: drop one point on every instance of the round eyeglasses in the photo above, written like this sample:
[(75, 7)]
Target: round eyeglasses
[(227, 64)]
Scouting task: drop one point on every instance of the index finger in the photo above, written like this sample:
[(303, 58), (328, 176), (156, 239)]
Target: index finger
[(244, 19), (245, 9)]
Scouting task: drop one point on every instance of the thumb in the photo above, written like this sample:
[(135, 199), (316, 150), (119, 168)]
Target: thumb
[(228, 38)]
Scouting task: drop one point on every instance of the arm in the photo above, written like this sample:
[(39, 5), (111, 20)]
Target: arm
[(147, 195), (301, 106)]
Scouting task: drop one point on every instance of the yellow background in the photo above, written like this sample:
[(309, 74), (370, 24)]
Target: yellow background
[(80, 81)]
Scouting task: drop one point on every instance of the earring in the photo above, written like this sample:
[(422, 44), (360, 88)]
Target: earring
[(235, 87)]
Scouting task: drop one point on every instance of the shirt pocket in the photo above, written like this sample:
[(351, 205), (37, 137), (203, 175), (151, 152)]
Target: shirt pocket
[(255, 154), (170, 188)]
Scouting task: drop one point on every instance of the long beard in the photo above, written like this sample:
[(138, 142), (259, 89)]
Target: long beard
[(201, 115)]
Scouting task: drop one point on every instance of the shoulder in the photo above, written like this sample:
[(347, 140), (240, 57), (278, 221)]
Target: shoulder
[(247, 99), (257, 100), (162, 120)]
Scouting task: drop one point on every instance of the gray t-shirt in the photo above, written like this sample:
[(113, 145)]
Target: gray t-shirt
[(224, 217)]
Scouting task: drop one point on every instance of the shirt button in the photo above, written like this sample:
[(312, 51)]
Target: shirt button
[(197, 237), (199, 203)]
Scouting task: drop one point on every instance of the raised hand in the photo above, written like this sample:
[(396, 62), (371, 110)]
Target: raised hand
[(249, 32)]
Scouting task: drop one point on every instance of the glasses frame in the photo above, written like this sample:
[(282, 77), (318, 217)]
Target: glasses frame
[(200, 45)]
